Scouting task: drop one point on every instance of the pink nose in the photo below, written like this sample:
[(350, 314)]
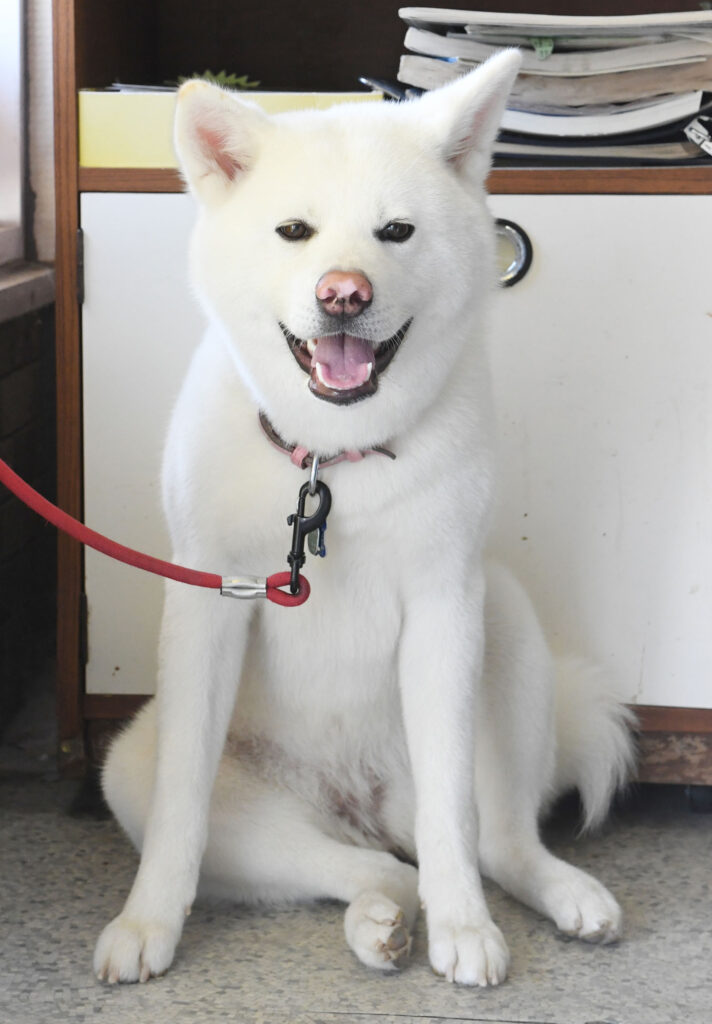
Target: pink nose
[(344, 293)]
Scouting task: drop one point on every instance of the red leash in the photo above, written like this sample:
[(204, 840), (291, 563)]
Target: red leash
[(245, 587)]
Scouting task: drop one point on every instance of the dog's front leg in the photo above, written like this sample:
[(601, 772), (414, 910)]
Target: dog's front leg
[(202, 644), (440, 666)]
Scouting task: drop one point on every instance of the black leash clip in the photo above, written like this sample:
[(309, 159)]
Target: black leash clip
[(302, 525)]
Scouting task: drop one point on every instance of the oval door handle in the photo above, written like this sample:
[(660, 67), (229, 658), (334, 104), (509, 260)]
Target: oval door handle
[(516, 237)]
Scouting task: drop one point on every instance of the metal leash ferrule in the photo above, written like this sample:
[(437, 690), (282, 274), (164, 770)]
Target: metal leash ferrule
[(244, 588)]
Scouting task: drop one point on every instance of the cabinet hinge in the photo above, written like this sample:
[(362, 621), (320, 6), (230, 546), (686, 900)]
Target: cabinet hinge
[(80, 266)]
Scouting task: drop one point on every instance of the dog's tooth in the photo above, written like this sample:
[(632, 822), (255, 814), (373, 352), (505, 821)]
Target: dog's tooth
[(369, 367), (320, 375), (311, 345)]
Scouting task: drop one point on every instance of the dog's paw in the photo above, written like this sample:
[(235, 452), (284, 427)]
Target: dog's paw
[(376, 930), (131, 949), (468, 955), (583, 908)]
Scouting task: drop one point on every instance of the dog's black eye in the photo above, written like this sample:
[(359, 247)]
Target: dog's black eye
[(395, 231), (295, 231)]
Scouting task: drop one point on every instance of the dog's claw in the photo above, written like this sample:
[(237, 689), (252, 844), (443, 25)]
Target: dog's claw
[(397, 939), (131, 950)]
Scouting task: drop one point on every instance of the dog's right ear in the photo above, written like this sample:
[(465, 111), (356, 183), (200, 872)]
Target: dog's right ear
[(464, 115), (216, 137)]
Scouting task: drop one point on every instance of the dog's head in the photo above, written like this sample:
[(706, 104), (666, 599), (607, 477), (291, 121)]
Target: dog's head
[(346, 254)]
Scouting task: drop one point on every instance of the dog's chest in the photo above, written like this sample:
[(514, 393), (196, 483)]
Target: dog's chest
[(341, 646), (318, 706)]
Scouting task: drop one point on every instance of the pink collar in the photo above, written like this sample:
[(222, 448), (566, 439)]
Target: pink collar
[(303, 458)]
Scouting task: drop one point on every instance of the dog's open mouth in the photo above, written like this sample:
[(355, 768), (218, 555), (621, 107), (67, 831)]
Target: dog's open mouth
[(343, 368)]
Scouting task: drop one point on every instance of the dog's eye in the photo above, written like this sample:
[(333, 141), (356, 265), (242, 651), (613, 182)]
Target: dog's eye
[(295, 231), (395, 231)]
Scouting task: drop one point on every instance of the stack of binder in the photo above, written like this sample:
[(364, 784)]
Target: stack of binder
[(632, 89)]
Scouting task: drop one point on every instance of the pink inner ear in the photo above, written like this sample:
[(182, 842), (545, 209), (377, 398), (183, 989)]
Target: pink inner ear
[(469, 137), (462, 146), (213, 145)]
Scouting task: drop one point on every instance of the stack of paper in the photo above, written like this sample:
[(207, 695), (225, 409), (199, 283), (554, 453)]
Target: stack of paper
[(591, 88)]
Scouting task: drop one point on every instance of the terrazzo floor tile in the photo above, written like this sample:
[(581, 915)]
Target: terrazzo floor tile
[(62, 878)]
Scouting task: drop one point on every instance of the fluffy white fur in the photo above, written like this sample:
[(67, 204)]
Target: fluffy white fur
[(289, 751)]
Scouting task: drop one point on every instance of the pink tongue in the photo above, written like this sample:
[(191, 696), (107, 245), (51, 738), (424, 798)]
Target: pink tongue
[(344, 361)]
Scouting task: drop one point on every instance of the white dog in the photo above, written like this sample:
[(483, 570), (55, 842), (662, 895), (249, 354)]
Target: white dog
[(344, 260)]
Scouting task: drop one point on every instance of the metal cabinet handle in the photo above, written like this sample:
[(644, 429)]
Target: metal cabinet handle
[(523, 252)]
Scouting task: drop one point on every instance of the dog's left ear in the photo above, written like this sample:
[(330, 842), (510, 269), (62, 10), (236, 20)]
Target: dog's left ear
[(466, 114)]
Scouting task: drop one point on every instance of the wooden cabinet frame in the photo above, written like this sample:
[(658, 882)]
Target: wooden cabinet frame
[(676, 743)]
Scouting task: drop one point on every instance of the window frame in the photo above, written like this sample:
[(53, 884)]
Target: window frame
[(13, 130)]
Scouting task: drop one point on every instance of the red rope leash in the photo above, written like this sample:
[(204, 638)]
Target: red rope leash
[(68, 524)]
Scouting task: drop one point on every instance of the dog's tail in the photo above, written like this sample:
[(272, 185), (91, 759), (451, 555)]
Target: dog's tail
[(594, 733)]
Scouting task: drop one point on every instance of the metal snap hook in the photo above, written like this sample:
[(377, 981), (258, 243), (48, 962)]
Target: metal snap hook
[(303, 525), (314, 474)]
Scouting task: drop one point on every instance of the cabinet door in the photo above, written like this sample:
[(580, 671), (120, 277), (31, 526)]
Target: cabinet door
[(140, 326), (602, 360)]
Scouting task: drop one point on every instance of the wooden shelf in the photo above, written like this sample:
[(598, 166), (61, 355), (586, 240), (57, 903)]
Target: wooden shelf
[(653, 718), (602, 181), (502, 181), (129, 179)]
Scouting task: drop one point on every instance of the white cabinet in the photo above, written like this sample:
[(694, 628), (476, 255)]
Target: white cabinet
[(140, 325), (602, 359)]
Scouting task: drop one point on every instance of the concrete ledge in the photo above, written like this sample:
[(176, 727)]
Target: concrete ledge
[(24, 287)]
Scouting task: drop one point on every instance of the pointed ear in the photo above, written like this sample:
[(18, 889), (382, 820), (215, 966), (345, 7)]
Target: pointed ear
[(468, 113), (216, 137)]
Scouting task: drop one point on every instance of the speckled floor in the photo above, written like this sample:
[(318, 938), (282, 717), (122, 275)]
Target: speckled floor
[(62, 877)]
